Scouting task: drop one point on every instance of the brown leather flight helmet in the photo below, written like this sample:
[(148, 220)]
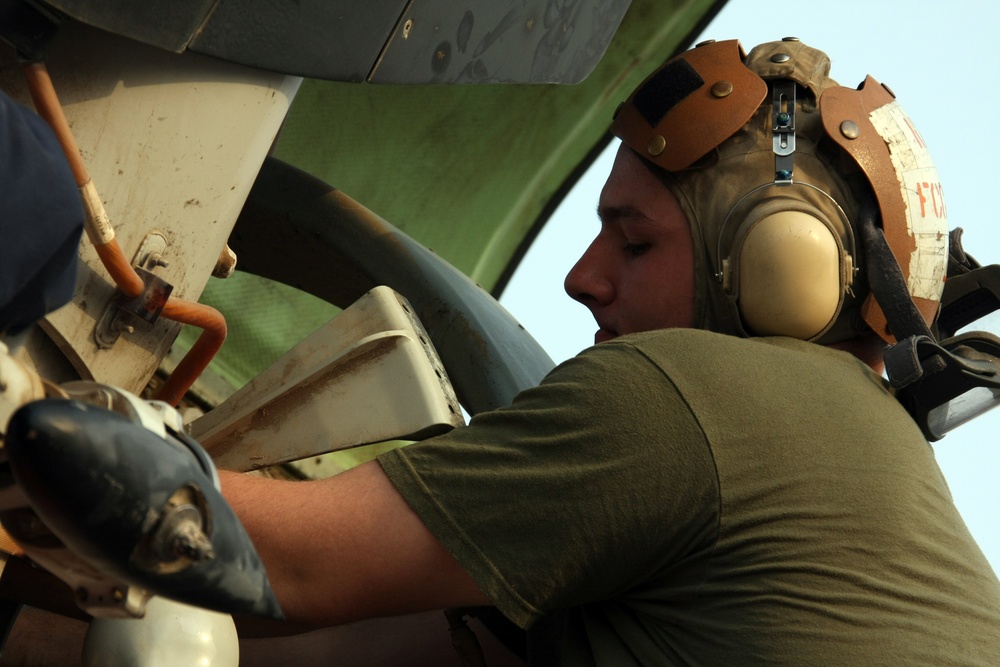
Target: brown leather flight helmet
[(773, 163)]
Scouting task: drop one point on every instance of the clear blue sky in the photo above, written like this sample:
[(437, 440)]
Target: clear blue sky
[(940, 59)]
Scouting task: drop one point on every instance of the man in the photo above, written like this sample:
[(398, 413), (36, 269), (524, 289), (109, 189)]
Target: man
[(725, 478)]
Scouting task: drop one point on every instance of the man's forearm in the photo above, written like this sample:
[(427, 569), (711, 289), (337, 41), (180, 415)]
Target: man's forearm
[(346, 548)]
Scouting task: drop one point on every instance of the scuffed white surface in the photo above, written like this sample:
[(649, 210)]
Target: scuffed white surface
[(926, 213)]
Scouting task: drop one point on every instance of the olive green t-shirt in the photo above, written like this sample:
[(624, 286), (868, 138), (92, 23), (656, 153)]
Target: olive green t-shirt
[(685, 498)]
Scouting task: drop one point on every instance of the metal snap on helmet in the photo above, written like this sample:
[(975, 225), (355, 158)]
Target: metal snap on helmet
[(774, 165)]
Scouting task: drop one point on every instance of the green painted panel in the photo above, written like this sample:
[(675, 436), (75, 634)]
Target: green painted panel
[(467, 170)]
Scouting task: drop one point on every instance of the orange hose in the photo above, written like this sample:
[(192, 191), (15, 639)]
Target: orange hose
[(119, 268), (43, 94), (200, 354), (212, 322)]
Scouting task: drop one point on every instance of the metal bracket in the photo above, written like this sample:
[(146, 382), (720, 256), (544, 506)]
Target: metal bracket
[(783, 127), (128, 315)]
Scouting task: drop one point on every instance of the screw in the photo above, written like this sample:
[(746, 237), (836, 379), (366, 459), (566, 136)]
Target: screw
[(190, 542), (156, 259)]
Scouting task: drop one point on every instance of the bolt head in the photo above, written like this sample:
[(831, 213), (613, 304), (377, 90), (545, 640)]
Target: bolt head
[(722, 88), (850, 129), (656, 145)]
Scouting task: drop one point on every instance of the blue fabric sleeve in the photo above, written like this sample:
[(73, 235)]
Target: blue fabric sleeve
[(41, 219)]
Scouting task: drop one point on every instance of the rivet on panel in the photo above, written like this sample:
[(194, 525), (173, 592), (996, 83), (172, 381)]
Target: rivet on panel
[(889, 90), (656, 145), (722, 88), (850, 129), (705, 43), (790, 39), (407, 27), (780, 58)]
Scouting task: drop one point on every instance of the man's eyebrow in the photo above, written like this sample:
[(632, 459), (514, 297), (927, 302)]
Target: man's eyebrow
[(613, 213)]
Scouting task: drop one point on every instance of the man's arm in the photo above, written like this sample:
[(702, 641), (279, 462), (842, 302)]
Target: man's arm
[(346, 548)]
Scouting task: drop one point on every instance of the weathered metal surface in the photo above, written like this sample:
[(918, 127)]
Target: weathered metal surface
[(329, 39), (368, 375), (337, 40), (487, 41), (113, 484), (324, 39), (386, 41), (172, 143), (166, 25)]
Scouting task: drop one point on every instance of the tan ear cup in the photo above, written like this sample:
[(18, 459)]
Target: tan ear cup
[(790, 273)]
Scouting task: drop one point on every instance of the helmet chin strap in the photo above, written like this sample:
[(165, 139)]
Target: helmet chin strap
[(941, 384), (886, 279)]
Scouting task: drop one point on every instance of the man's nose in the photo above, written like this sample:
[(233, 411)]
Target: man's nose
[(589, 280)]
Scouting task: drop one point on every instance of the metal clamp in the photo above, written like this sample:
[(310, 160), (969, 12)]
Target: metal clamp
[(783, 127)]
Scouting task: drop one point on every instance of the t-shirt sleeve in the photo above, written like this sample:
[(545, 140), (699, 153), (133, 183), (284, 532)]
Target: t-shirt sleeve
[(41, 219), (584, 488)]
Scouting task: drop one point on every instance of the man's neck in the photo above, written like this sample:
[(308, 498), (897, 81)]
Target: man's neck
[(869, 348)]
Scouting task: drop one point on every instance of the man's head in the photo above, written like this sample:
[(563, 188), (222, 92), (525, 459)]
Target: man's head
[(773, 164)]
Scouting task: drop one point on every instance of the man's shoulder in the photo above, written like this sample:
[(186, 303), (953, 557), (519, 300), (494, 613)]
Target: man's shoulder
[(698, 338), (649, 357), (697, 346), (693, 357), (671, 341)]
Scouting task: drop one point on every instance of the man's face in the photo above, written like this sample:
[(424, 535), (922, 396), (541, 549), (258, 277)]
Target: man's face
[(638, 274)]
